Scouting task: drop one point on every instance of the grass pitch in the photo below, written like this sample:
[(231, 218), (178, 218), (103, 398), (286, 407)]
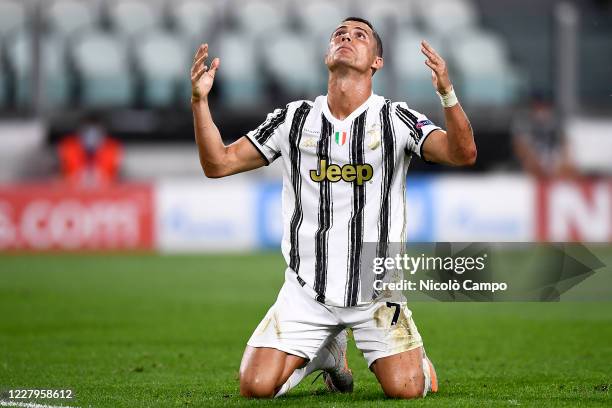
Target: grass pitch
[(169, 331)]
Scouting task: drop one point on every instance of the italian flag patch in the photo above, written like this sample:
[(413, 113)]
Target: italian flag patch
[(340, 138)]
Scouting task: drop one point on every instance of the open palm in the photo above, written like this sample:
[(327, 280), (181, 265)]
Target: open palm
[(439, 70), (202, 76)]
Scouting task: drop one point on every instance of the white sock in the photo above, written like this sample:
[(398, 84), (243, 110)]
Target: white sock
[(427, 376), (294, 379), (323, 360)]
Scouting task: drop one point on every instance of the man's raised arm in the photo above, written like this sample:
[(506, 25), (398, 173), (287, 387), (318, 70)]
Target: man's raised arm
[(456, 146), (217, 160)]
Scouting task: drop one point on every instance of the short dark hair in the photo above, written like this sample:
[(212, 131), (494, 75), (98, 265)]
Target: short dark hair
[(379, 46)]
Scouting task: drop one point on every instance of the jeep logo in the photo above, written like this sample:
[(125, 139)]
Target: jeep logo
[(359, 173)]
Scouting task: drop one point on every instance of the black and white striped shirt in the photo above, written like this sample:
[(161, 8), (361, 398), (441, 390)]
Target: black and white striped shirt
[(343, 185)]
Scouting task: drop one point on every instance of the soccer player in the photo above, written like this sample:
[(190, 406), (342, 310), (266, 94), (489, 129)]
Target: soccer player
[(345, 157)]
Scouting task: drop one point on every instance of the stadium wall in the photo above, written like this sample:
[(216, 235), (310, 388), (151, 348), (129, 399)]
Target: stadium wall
[(239, 215)]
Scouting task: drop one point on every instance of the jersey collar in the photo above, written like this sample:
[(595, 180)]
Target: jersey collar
[(349, 119)]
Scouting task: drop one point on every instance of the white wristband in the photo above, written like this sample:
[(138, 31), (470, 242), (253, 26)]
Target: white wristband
[(448, 100)]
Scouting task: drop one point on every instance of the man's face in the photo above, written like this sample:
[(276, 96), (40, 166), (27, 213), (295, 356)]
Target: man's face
[(353, 45)]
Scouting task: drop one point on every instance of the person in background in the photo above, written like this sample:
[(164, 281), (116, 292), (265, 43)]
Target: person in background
[(539, 143), (90, 157)]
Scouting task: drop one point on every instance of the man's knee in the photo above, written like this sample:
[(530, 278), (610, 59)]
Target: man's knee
[(264, 370), (409, 386), (257, 385)]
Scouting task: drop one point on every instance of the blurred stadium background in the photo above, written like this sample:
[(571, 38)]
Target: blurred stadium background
[(127, 63), (124, 64)]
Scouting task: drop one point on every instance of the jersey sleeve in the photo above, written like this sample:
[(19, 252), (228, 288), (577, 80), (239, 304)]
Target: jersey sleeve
[(269, 136), (415, 127)]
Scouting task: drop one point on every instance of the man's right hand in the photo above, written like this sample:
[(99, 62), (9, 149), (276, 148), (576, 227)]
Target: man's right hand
[(202, 76)]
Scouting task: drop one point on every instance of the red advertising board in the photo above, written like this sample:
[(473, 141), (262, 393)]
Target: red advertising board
[(59, 217), (575, 211)]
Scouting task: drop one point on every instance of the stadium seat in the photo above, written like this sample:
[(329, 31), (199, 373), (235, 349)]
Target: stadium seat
[(488, 79), (448, 17), (101, 62), (13, 16), (388, 15), (319, 18), (270, 17), (193, 18), (413, 76), (129, 17), (294, 61), (65, 17), (163, 60), (239, 77), (55, 77)]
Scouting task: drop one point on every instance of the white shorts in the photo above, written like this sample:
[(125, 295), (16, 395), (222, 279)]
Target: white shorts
[(297, 324)]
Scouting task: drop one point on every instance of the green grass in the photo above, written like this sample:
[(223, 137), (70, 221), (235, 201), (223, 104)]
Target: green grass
[(147, 330)]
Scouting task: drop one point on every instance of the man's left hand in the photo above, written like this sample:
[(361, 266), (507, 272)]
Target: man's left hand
[(439, 71)]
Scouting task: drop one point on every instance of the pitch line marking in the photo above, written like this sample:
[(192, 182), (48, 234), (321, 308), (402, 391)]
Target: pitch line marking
[(30, 405)]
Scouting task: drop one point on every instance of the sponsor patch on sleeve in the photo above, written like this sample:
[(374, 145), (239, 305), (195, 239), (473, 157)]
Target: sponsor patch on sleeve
[(423, 123)]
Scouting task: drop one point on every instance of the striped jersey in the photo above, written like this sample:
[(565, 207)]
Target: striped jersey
[(343, 184)]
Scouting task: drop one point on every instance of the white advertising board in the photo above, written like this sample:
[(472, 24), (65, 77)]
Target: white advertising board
[(483, 209), (205, 215)]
